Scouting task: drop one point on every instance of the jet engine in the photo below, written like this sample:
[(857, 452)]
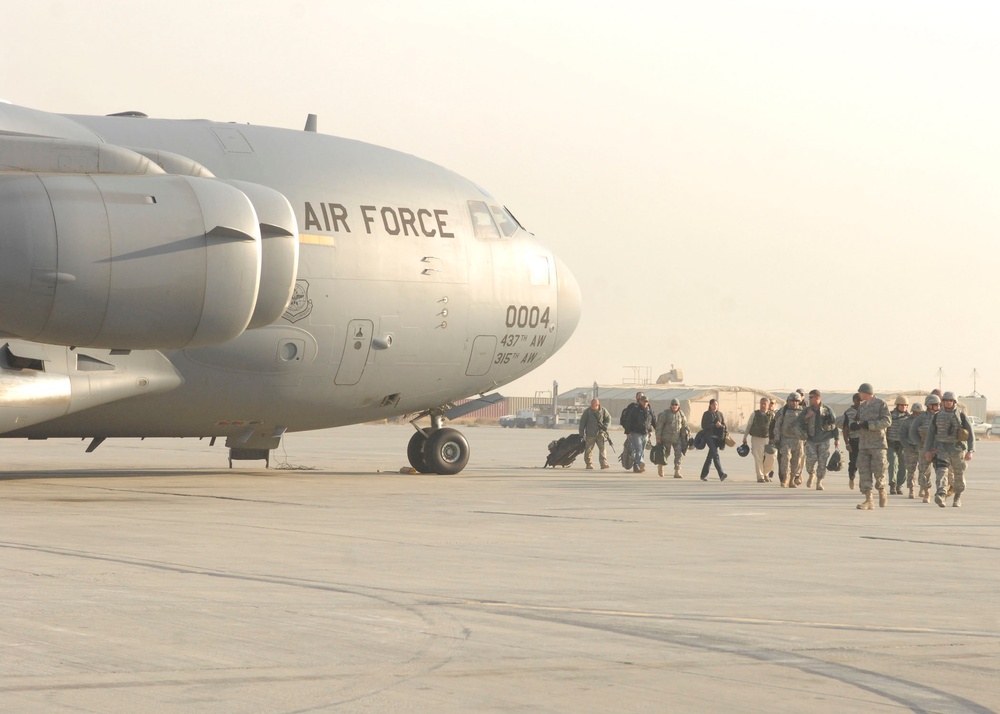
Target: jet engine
[(143, 260)]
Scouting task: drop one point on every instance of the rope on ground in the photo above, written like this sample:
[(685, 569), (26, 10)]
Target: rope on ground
[(283, 464)]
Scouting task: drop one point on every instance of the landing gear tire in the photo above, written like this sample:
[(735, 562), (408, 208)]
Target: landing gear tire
[(445, 452), (415, 451)]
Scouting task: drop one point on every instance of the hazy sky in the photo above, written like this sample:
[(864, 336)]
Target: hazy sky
[(761, 193)]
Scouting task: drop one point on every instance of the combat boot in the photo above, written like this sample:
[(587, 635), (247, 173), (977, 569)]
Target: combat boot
[(809, 481), (819, 484), (659, 470), (911, 491), (957, 503), (883, 499), (925, 495), (867, 504), (677, 473), (939, 498)]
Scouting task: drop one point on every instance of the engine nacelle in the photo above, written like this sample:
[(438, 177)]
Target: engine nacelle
[(279, 265), (128, 262)]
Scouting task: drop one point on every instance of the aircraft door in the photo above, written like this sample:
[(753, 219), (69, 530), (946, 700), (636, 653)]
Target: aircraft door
[(356, 349), (482, 355)]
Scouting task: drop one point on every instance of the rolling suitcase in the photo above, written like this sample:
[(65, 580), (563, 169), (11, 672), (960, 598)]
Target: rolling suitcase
[(563, 452)]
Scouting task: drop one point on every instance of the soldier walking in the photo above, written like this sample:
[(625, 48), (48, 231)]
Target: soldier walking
[(851, 440), (870, 423), (911, 446), (594, 424), (950, 448), (894, 436), (787, 436), (819, 424), (671, 429), (919, 426)]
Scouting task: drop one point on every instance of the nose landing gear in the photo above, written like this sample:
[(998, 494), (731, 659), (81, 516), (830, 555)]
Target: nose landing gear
[(437, 450)]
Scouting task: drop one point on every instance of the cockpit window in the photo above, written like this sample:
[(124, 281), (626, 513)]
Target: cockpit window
[(507, 223), (482, 221), (492, 221)]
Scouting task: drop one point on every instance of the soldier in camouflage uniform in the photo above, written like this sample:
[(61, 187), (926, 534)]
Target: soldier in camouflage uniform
[(918, 433), (788, 437), (819, 424), (671, 429), (870, 424), (948, 450), (594, 424), (911, 448), (893, 435), (851, 440)]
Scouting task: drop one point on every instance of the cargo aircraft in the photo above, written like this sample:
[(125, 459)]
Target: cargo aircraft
[(179, 278)]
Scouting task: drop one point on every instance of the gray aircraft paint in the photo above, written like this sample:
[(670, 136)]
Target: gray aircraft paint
[(397, 306)]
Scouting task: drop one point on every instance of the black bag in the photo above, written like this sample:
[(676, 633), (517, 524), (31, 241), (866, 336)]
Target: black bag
[(700, 440), (836, 462), (626, 458), (562, 452), (658, 455)]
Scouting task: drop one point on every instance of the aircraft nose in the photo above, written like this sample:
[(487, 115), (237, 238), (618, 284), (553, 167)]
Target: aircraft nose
[(570, 303)]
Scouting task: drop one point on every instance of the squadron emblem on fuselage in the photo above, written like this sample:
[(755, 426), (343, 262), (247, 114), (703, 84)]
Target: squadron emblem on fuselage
[(300, 305)]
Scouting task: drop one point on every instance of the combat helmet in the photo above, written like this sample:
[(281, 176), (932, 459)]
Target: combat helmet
[(931, 399), (948, 395), (901, 400)]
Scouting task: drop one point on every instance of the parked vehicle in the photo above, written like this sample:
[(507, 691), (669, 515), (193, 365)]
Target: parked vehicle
[(524, 418), (979, 427), (994, 428)]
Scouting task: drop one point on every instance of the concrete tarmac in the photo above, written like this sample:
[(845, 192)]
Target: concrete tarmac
[(149, 577)]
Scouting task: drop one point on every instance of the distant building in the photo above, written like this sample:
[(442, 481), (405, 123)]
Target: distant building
[(735, 402)]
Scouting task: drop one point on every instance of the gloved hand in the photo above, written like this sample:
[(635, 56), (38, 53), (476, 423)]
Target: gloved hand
[(856, 426)]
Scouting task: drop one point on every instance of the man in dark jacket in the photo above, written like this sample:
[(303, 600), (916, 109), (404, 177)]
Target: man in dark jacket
[(713, 423), (638, 422)]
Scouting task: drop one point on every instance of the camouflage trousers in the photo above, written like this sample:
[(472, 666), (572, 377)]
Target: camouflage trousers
[(817, 457), (674, 446), (894, 454), (911, 458), (790, 458), (949, 456), (871, 468), (602, 449), (924, 471)]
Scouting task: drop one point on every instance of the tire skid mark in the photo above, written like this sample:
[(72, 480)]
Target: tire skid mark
[(916, 697)]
